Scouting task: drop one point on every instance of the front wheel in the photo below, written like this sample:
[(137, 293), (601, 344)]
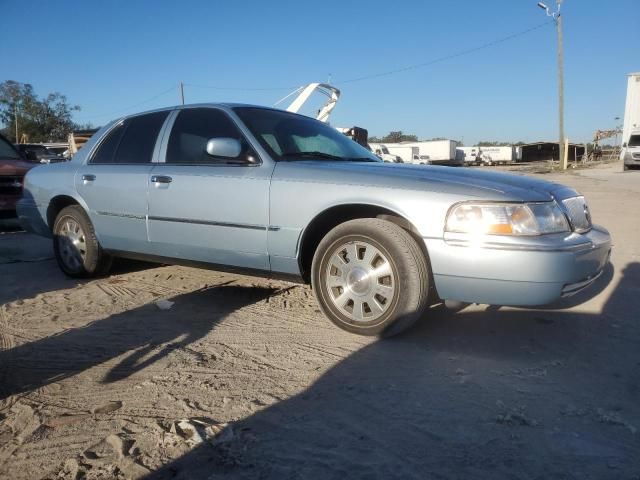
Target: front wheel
[(370, 277), (76, 246)]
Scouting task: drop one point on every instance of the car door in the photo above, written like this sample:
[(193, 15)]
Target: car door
[(114, 182), (205, 208)]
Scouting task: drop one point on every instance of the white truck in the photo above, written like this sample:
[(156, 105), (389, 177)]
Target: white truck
[(630, 152), (437, 152), (382, 151), (407, 153), (469, 155)]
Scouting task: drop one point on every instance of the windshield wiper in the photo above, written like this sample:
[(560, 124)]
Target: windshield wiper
[(361, 159), (327, 156)]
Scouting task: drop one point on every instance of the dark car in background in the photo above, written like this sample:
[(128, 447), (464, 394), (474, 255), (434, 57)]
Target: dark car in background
[(34, 152), (13, 168)]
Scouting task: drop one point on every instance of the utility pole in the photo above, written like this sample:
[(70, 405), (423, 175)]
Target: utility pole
[(182, 92), (15, 111), (561, 138), (557, 18)]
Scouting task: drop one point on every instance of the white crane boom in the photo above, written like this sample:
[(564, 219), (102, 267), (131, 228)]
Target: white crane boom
[(329, 91)]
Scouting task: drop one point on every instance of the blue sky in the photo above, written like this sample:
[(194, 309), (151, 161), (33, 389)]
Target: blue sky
[(116, 57)]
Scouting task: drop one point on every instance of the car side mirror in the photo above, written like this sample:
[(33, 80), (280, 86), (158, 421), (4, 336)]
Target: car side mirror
[(224, 147), (624, 145)]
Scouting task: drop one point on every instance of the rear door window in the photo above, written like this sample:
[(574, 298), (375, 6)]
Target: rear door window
[(108, 146), (133, 141)]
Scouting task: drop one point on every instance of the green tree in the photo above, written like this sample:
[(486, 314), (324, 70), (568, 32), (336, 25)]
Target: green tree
[(45, 119), (398, 136)]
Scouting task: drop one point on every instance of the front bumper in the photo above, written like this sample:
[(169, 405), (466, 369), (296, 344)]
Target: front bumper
[(518, 271), (632, 158)]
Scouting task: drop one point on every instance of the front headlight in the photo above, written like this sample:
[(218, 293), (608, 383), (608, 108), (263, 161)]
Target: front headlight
[(506, 219)]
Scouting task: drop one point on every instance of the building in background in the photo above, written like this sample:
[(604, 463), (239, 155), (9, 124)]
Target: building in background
[(540, 151)]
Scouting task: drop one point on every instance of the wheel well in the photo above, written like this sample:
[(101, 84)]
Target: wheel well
[(334, 216), (55, 205)]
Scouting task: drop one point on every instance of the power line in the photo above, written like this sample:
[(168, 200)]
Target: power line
[(241, 89), (121, 110), (350, 80), (392, 72), (446, 57)]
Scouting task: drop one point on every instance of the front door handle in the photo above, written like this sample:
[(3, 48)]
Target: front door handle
[(160, 179), (88, 177)]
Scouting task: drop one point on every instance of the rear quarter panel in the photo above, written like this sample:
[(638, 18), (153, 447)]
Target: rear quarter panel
[(45, 182)]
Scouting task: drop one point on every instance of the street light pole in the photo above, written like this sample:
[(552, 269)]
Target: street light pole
[(15, 111), (557, 18)]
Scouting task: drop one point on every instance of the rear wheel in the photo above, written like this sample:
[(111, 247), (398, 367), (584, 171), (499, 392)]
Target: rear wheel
[(370, 277), (75, 245)]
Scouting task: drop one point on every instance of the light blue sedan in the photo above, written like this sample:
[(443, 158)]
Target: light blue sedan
[(267, 192)]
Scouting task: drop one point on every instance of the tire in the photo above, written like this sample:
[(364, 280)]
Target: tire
[(625, 167), (75, 245), (398, 294)]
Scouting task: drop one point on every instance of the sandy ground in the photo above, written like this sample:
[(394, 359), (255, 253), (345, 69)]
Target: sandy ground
[(244, 378)]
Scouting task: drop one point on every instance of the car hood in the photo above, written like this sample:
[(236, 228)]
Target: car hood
[(14, 167), (489, 185)]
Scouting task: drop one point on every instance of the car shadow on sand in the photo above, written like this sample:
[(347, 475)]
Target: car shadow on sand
[(28, 267), (477, 394), (140, 333)]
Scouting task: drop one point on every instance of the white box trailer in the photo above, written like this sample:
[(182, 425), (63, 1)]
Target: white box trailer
[(488, 155), (632, 107), (437, 151), (469, 154), (407, 153), (492, 155)]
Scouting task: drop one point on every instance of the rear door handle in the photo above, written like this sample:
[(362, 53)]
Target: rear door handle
[(160, 179), (88, 177)]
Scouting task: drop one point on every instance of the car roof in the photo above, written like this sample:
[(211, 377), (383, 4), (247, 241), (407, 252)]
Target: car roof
[(197, 105)]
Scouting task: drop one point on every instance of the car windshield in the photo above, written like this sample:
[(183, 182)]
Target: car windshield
[(634, 141), (7, 151), (288, 136), (38, 149)]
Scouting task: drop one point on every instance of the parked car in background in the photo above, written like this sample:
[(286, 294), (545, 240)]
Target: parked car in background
[(12, 170), (35, 152), (58, 148), (631, 151), (269, 192)]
